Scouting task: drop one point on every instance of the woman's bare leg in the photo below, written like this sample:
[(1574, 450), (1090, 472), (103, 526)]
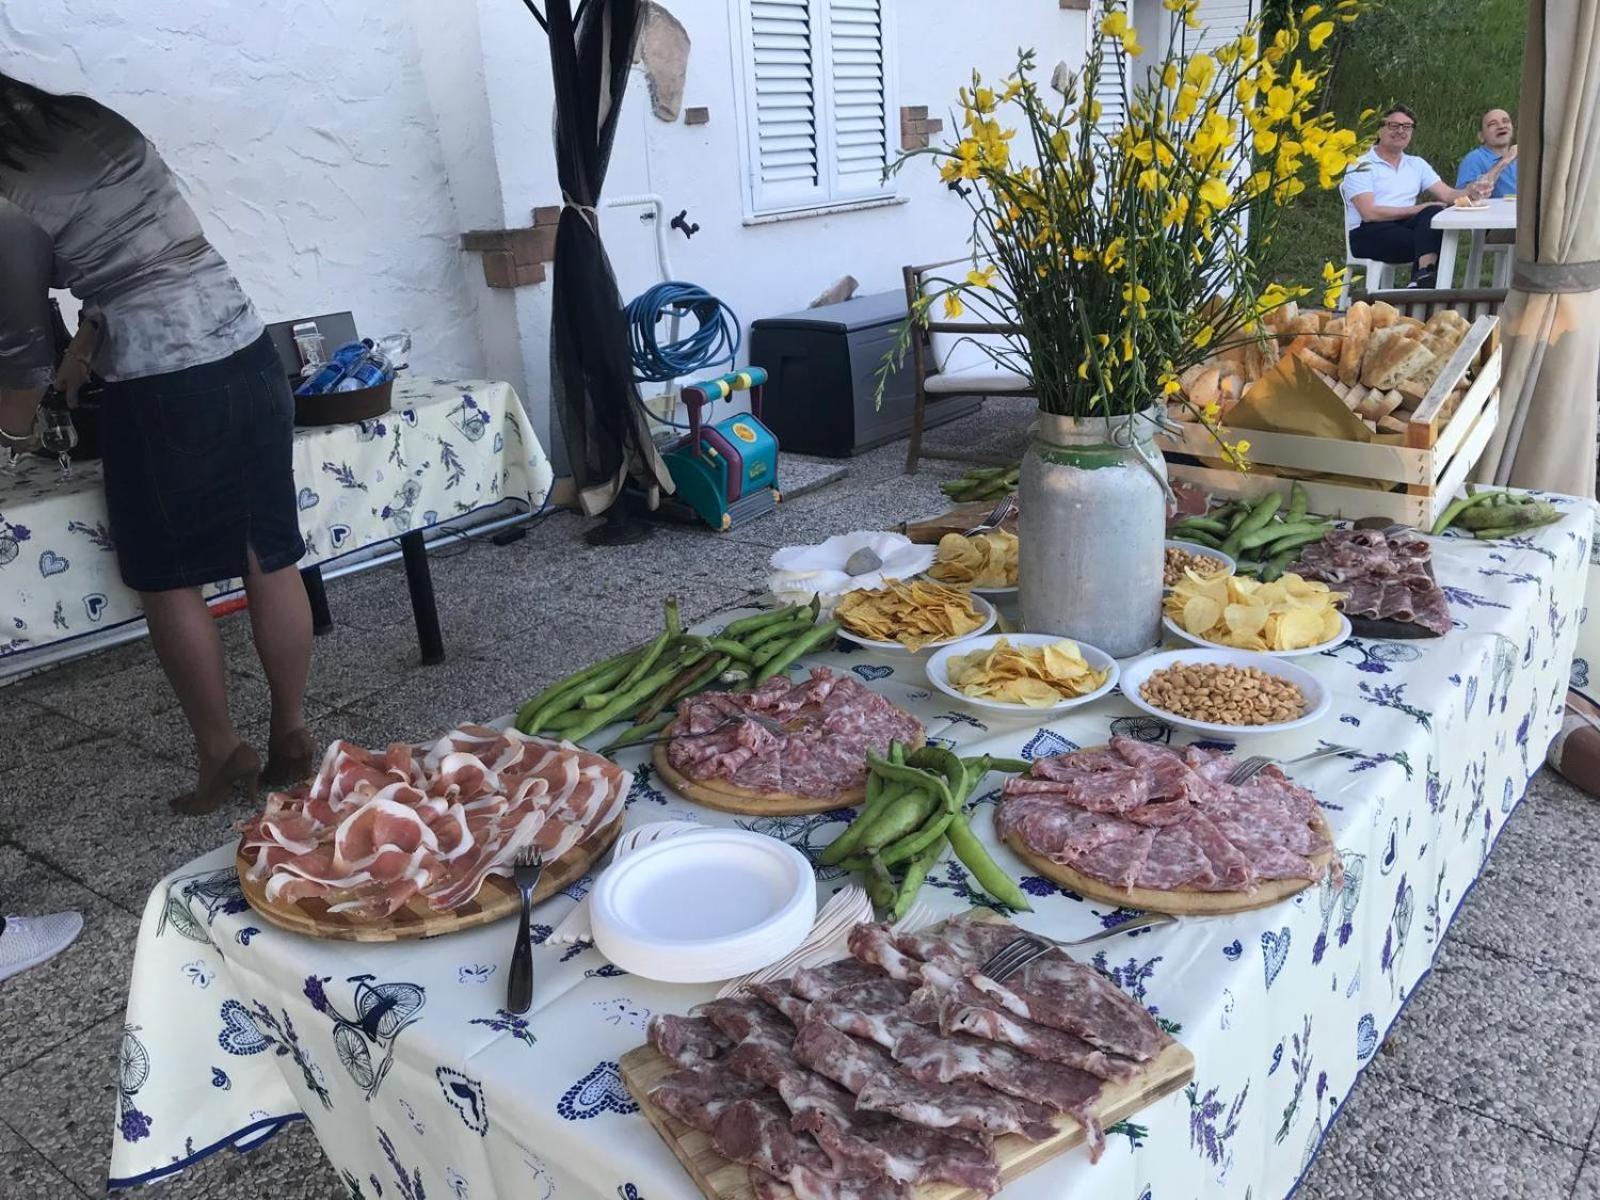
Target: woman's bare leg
[(280, 620), (190, 650)]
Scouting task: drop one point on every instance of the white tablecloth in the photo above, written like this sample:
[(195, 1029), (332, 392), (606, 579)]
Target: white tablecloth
[(418, 1085), (445, 449)]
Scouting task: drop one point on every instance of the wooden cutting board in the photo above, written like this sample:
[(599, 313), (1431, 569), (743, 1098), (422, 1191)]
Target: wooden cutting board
[(718, 1179), (497, 898), (725, 797), (958, 520)]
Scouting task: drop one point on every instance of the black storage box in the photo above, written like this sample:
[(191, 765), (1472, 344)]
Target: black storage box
[(822, 366)]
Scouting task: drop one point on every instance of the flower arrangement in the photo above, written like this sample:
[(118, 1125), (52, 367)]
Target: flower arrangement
[(1122, 256)]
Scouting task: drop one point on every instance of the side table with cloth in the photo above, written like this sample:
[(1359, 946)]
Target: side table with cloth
[(445, 449), (234, 1027)]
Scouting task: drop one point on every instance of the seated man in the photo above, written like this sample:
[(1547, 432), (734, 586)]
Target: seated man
[(1494, 160), (1381, 216)]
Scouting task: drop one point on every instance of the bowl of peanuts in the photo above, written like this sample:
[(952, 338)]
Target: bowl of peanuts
[(1191, 556), (1232, 693)]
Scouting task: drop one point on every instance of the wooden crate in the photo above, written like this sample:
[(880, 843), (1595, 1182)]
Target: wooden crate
[(1410, 483)]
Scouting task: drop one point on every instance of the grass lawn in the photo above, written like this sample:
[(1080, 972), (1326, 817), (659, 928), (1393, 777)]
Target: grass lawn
[(1450, 60)]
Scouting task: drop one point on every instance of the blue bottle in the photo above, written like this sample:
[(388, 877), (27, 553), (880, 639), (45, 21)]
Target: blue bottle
[(344, 359)]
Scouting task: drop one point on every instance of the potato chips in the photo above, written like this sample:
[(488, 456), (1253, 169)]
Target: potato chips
[(1035, 676), (913, 614), (1290, 613), (985, 560)]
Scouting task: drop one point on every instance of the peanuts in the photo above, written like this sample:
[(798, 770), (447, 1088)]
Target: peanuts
[(1179, 561), (1223, 695)]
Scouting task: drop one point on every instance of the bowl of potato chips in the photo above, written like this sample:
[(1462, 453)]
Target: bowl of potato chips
[(1285, 618), (1025, 674), (911, 617), (985, 562)]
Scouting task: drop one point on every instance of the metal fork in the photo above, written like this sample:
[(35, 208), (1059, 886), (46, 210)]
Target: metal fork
[(1249, 768), (525, 872), (1024, 949), (997, 515)]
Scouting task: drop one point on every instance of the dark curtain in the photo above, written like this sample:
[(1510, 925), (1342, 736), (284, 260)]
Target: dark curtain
[(591, 375)]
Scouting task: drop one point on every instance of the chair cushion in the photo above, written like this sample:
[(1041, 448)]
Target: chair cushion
[(984, 377)]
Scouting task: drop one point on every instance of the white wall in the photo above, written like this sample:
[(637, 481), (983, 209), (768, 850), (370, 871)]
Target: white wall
[(305, 141)]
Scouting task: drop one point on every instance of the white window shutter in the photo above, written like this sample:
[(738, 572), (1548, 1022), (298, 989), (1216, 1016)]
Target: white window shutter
[(1224, 20), (858, 102), (784, 118), (1111, 88)]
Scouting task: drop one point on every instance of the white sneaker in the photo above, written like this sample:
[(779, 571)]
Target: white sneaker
[(28, 941)]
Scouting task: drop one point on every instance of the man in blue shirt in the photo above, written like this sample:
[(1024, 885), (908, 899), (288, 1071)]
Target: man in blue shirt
[(1496, 157)]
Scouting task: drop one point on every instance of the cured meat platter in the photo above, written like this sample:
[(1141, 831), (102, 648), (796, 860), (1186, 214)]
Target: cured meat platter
[(1179, 902), (497, 898), (718, 1178), (727, 797)]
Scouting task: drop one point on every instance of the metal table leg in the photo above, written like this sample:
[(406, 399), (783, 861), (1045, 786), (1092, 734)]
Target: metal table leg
[(321, 618), (420, 583)]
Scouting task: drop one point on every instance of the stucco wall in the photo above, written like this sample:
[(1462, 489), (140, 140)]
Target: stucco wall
[(304, 138)]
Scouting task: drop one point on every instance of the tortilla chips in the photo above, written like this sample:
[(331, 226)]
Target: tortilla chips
[(1290, 613), (985, 560), (1035, 676), (913, 614)]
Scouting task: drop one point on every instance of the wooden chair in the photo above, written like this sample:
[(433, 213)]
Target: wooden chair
[(939, 371)]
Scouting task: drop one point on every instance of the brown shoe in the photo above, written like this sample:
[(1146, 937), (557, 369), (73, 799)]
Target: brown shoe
[(290, 759), (239, 769)]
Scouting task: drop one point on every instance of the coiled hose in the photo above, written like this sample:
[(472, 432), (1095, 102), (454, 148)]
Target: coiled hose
[(715, 339)]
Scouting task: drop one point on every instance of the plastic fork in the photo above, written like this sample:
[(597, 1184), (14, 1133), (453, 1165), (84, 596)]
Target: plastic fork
[(1249, 768), (525, 872), (998, 514), (1020, 951)]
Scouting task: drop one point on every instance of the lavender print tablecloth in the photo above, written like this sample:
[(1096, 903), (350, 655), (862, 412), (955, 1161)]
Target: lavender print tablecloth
[(446, 448), (419, 1086)]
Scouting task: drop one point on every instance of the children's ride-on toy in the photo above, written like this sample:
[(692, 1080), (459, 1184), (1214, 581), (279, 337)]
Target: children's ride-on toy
[(727, 473)]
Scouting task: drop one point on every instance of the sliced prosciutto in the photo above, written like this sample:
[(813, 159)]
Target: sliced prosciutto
[(374, 829)]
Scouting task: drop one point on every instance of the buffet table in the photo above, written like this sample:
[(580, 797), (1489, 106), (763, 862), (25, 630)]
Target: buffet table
[(418, 1083), (445, 449)]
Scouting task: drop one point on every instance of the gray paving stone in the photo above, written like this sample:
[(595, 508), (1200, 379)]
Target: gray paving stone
[(884, 505), (66, 1108), (29, 731), (1505, 1038), (112, 797), (83, 984), (1553, 819), (1392, 1143), (99, 700), (25, 1174), (1588, 1185)]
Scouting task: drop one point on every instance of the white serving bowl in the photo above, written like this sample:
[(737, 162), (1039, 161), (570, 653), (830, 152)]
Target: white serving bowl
[(1197, 549), (1195, 639), (1318, 698), (985, 610), (939, 673), (703, 906)]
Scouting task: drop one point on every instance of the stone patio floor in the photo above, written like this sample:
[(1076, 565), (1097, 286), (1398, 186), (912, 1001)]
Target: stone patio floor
[(1485, 1087)]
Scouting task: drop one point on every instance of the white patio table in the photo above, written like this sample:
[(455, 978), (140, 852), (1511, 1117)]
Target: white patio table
[(1500, 213), (419, 1084)]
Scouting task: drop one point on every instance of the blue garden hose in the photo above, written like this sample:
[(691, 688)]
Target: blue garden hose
[(715, 339)]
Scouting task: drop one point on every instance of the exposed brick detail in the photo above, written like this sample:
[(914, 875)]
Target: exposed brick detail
[(1076, 5), (499, 269), (550, 214), (916, 127), (516, 257), (696, 116)]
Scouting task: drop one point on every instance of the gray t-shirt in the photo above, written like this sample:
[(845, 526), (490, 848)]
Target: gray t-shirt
[(127, 244)]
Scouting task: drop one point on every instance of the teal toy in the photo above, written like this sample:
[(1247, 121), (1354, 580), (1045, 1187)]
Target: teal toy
[(726, 473)]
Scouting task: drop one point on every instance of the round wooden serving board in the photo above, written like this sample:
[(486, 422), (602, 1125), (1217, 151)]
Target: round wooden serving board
[(495, 899), (725, 797), (1179, 902)]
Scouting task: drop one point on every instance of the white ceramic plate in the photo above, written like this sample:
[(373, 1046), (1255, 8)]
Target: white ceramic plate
[(939, 673), (1318, 698), (703, 906), (985, 610), (1196, 548), (1338, 639)]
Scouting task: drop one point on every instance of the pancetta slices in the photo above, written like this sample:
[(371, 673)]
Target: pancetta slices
[(373, 829)]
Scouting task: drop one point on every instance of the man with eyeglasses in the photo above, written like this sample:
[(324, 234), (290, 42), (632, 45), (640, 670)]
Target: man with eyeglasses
[(1382, 218)]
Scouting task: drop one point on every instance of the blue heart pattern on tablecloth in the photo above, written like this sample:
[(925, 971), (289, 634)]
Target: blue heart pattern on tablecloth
[(1046, 743), (871, 671), (51, 563), (600, 1091), (1274, 952), (307, 499), (466, 1097), (95, 605), (339, 535), (1366, 1037), (1233, 950), (239, 1033)]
